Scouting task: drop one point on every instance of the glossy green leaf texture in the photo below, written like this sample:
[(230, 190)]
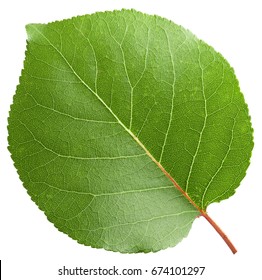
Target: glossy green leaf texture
[(110, 109)]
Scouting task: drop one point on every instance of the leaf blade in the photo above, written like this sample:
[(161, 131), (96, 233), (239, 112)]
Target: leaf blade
[(107, 128)]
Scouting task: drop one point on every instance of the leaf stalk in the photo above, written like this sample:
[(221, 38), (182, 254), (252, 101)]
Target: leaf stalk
[(219, 231)]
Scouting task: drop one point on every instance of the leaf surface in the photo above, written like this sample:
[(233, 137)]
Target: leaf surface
[(125, 127)]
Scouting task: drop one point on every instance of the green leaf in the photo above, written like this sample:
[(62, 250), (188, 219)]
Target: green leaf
[(125, 127)]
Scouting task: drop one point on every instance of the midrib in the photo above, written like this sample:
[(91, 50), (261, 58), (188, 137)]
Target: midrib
[(122, 124)]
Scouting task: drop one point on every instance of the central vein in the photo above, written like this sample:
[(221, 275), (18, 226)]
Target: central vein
[(121, 123)]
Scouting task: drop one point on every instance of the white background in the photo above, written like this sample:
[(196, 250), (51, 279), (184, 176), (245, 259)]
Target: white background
[(31, 247)]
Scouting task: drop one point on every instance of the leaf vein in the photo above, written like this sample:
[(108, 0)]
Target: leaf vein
[(204, 124), (172, 100), (220, 167), (138, 222)]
